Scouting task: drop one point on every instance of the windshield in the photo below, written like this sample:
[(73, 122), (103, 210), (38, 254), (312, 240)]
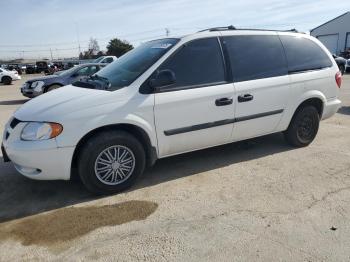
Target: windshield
[(97, 60), (130, 66)]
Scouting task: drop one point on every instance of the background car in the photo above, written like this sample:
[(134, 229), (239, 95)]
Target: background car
[(6, 76), (30, 69), (341, 62), (105, 59), (15, 67), (41, 66), (40, 85), (347, 66)]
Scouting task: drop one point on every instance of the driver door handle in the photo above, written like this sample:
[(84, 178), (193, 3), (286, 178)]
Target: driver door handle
[(223, 101)]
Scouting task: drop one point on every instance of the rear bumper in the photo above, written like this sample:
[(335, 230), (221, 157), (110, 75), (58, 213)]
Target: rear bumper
[(330, 108)]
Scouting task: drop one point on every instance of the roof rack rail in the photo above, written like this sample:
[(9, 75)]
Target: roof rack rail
[(231, 27), (220, 28)]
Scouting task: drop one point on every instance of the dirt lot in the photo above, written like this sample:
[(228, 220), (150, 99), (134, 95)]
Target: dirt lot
[(254, 200)]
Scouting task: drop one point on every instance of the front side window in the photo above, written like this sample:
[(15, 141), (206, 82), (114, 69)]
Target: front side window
[(255, 57), (304, 54), (196, 63), (134, 63)]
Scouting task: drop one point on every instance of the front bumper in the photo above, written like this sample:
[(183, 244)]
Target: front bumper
[(41, 160), (30, 92)]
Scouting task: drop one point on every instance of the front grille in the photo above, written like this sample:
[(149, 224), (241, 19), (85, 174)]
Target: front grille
[(14, 123)]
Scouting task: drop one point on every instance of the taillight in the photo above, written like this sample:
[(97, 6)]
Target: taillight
[(338, 79)]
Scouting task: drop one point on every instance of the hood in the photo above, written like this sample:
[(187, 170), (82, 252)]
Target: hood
[(43, 78), (57, 104)]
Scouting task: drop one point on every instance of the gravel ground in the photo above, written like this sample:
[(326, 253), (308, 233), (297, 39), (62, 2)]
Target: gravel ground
[(254, 200)]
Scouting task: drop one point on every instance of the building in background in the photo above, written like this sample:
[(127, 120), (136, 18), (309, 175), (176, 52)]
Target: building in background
[(335, 34)]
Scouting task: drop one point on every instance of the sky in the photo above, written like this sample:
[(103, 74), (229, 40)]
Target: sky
[(30, 28)]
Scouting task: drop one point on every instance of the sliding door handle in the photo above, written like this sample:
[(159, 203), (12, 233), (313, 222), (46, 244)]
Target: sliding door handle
[(245, 98)]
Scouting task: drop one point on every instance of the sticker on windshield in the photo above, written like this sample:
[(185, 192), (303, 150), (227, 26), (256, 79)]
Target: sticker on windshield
[(162, 46)]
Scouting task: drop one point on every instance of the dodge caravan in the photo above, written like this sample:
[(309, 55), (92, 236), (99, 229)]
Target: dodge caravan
[(171, 96)]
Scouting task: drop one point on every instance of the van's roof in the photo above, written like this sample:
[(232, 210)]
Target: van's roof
[(231, 30), (231, 27)]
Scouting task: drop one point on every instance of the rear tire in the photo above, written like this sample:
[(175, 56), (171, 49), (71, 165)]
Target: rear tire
[(6, 80), (102, 167), (304, 127)]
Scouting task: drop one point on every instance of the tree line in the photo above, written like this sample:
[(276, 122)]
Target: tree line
[(115, 47)]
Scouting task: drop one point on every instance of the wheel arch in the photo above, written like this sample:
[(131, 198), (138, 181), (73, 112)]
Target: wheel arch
[(53, 84), (312, 97), (317, 102), (138, 132)]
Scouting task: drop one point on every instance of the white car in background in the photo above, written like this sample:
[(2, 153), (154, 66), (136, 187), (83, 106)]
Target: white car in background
[(6, 77), (105, 59)]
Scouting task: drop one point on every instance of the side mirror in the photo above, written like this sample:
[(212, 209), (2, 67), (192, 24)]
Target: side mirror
[(163, 78)]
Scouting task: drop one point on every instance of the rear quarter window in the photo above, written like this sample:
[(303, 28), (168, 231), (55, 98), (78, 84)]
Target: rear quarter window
[(303, 54)]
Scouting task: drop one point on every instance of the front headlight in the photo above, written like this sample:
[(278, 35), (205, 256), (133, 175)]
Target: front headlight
[(40, 131), (37, 85)]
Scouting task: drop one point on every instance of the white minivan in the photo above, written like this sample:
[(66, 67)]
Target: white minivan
[(171, 96)]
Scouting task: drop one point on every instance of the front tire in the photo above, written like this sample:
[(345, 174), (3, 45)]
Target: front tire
[(110, 162), (304, 127)]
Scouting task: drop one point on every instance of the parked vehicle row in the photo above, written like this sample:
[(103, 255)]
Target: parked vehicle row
[(171, 96), (47, 67), (37, 86)]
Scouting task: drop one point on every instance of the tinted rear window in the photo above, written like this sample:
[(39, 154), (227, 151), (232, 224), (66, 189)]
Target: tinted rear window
[(303, 54), (255, 57)]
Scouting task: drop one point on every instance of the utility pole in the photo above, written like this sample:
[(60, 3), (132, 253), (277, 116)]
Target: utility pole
[(77, 31), (51, 54), (167, 32)]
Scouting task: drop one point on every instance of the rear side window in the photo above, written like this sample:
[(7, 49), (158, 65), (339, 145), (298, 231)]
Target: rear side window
[(304, 54), (255, 57), (199, 62), (108, 60)]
